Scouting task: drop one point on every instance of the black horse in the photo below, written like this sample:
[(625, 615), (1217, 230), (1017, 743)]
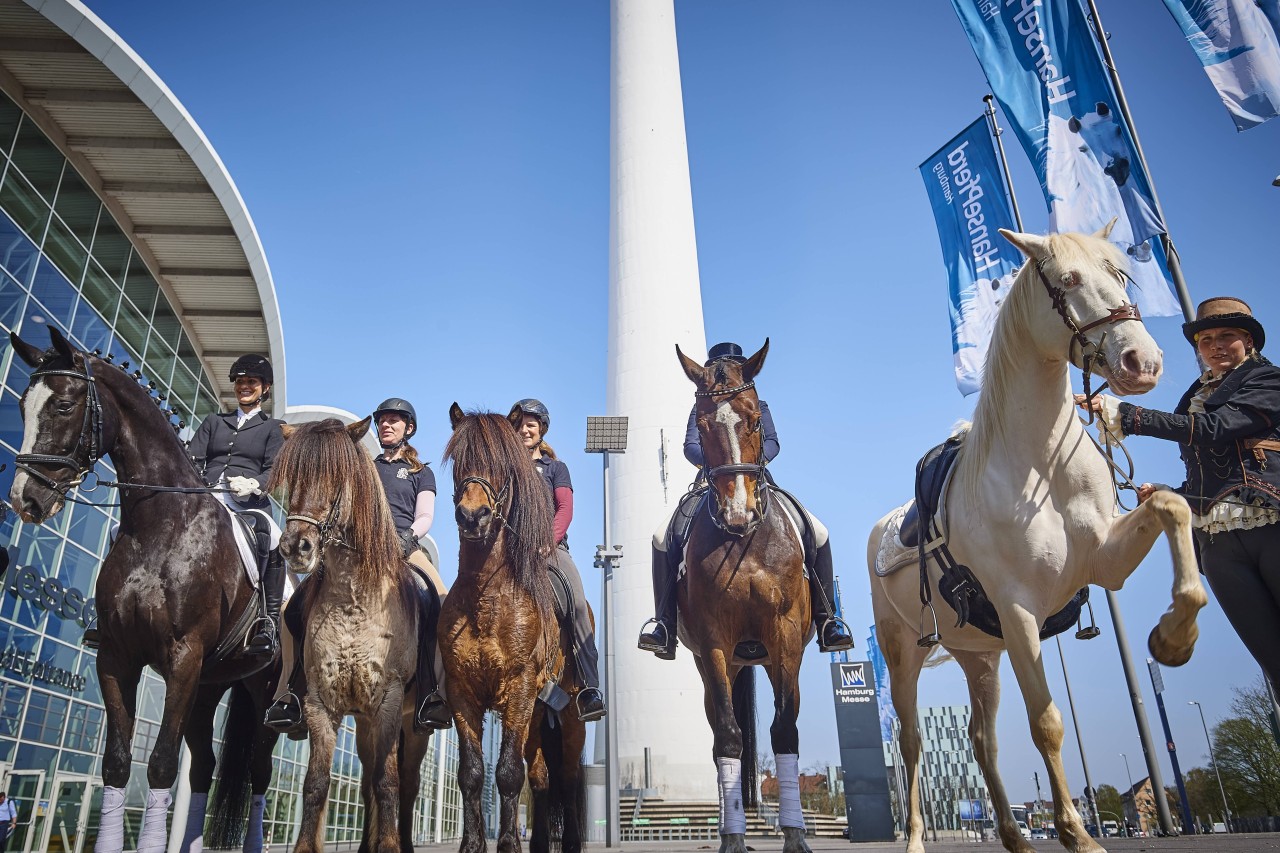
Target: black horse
[(172, 593)]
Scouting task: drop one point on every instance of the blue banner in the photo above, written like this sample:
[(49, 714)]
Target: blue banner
[(884, 699), (1238, 42), (1045, 69), (970, 206)]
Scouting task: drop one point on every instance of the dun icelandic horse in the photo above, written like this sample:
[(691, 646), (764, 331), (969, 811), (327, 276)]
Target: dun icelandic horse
[(171, 592), (501, 644), (360, 649), (1030, 511), (744, 599)]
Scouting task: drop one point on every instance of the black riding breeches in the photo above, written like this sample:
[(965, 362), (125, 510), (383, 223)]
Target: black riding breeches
[(1243, 567)]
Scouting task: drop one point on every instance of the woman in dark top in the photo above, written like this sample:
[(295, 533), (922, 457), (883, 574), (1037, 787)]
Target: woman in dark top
[(1227, 426), (532, 420)]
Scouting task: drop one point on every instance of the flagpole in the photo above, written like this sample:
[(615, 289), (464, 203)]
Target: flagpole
[(1171, 253), (998, 133)]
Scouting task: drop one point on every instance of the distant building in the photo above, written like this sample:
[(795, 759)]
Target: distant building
[(953, 792), (1140, 806)]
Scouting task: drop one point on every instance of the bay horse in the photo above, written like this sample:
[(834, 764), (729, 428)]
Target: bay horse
[(744, 599), (360, 647), (501, 643), (1031, 511), (172, 590)]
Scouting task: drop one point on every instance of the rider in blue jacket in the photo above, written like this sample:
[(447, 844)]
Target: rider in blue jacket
[(658, 635)]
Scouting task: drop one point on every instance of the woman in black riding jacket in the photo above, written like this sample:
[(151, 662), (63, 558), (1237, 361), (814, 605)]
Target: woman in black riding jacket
[(532, 420), (1227, 426), (236, 450), (658, 635)]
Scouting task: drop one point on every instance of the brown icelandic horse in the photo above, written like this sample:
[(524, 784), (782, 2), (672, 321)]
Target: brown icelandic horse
[(360, 649), (501, 643), (744, 599), (172, 593)]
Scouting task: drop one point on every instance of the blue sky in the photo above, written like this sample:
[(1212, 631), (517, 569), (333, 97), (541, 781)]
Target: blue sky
[(431, 186)]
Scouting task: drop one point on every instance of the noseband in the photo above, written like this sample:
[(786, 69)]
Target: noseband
[(495, 496), (90, 438), (750, 469)]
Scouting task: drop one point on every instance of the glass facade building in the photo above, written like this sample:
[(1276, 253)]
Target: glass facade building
[(66, 262)]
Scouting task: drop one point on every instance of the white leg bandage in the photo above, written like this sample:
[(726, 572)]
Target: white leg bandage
[(253, 834), (789, 811), (154, 835), (733, 820), (111, 824), (193, 837)]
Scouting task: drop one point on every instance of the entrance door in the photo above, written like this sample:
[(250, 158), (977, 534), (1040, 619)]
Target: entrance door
[(68, 813), (25, 787)]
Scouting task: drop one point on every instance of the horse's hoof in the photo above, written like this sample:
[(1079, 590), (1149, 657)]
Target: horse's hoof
[(736, 843), (793, 840), (1169, 653)]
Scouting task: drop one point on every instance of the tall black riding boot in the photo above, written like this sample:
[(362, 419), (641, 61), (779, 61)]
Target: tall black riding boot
[(661, 638), (285, 715), (432, 712), (586, 660), (265, 641), (833, 633)]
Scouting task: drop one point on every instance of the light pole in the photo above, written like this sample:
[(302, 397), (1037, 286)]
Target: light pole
[(607, 435), (1226, 810), (1132, 795)]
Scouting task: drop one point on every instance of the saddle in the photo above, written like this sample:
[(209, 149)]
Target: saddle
[(256, 532), (921, 528)]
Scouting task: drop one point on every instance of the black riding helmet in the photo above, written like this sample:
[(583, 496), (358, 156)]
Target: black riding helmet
[(252, 366), (533, 408), (400, 406)]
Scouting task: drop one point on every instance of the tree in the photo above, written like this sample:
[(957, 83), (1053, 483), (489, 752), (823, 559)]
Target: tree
[(1203, 794), (1108, 799), (1247, 754)]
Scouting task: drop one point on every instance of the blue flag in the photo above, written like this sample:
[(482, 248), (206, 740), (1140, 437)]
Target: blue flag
[(1238, 42), (884, 696), (970, 206), (1045, 70)]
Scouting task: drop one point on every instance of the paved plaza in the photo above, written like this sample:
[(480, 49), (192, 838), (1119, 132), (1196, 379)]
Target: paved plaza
[(1201, 843)]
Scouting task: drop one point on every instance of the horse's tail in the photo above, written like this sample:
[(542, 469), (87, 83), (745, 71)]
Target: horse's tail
[(232, 789), (744, 713), (552, 807)]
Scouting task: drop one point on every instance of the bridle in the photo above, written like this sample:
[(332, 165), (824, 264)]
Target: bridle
[(90, 439), (326, 527), (1089, 351), (750, 469), (496, 496)]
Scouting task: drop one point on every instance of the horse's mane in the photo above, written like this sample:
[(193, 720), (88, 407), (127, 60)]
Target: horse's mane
[(484, 444), (1009, 348), (320, 458)]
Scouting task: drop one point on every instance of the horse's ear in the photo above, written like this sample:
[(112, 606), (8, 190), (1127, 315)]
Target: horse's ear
[(1105, 231), (696, 372), (287, 430), (359, 429), (1032, 245), (753, 365), (28, 353), (61, 344), (455, 415)]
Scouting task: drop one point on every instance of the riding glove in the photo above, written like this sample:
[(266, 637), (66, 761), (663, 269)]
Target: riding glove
[(244, 487), (408, 542)]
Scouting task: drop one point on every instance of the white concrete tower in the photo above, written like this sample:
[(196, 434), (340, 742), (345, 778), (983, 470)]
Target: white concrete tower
[(654, 304)]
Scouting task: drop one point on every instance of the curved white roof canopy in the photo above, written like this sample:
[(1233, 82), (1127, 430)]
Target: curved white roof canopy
[(153, 167)]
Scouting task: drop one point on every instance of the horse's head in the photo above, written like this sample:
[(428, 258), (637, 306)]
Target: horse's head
[(63, 429), (1082, 309), (333, 497), (728, 415), (481, 496)]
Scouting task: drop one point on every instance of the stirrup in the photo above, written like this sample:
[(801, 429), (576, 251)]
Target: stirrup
[(269, 631), (594, 715), (295, 729), (1087, 633), (434, 700), (822, 630), (928, 641), (657, 624)]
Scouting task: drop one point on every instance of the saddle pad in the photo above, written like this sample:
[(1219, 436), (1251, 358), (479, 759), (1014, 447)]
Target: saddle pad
[(892, 555), (241, 531)]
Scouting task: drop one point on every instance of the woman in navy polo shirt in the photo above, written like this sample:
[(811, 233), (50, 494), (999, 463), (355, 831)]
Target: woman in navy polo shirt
[(532, 420)]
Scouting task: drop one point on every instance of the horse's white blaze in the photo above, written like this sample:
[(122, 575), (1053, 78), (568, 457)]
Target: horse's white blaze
[(730, 419), (37, 395)]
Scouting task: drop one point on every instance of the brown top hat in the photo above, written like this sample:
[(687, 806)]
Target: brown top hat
[(1225, 312)]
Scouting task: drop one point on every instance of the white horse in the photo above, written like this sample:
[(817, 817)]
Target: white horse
[(1031, 511)]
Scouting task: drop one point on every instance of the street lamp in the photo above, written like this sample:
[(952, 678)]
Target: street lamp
[(607, 435), (1226, 810), (1132, 795)]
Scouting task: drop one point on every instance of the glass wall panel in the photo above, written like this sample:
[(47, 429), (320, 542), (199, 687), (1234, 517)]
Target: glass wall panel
[(90, 331), (18, 254), (55, 293), (110, 247), (77, 205), (38, 158), (24, 205), (140, 286), (10, 116), (132, 327), (103, 293), (12, 300), (65, 250), (46, 715)]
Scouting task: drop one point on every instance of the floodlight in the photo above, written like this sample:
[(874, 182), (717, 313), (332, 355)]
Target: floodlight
[(606, 435)]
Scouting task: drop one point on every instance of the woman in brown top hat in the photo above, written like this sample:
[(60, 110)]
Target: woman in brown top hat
[(1227, 426)]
